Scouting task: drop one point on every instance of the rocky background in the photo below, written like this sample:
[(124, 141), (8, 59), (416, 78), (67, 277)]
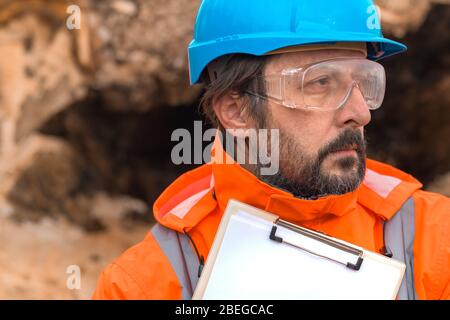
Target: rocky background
[(86, 117)]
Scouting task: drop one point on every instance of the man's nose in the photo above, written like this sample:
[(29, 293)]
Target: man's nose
[(355, 112)]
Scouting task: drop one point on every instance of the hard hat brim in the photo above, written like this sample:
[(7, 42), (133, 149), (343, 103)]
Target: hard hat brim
[(200, 54)]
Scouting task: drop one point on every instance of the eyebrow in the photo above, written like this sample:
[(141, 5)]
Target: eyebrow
[(311, 63)]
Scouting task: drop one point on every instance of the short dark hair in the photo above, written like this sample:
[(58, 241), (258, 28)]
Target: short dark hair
[(241, 73)]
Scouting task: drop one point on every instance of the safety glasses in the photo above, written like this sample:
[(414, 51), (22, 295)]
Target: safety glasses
[(326, 85)]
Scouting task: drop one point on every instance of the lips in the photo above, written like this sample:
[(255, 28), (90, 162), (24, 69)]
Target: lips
[(347, 148), (349, 143)]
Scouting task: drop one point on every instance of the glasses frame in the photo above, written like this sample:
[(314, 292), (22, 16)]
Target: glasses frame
[(281, 97)]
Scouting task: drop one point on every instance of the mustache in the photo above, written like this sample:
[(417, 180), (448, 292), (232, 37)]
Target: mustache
[(348, 139)]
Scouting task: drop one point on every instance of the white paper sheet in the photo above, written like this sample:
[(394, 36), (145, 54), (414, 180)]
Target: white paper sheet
[(249, 265)]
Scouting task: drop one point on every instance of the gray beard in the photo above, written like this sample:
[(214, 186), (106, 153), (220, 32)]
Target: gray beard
[(308, 181)]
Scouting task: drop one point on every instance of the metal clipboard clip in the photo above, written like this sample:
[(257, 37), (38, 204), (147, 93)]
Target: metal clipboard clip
[(321, 238)]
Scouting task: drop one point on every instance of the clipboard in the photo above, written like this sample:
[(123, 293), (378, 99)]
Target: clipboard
[(256, 255)]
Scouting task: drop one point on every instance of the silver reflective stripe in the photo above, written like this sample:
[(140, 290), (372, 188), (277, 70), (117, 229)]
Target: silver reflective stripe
[(181, 256), (399, 237)]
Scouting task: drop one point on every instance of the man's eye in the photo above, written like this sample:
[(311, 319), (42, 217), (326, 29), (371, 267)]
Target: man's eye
[(321, 81), (317, 84)]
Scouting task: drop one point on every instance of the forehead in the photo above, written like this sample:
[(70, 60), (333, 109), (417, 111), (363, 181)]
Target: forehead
[(279, 62)]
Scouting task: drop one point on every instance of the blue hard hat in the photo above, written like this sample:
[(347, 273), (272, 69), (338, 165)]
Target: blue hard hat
[(260, 26)]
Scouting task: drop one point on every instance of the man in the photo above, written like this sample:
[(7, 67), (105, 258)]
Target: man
[(307, 70)]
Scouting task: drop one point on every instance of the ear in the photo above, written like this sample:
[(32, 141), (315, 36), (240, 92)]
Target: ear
[(229, 110)]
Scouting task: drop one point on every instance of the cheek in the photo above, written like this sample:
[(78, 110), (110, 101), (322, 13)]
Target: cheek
[(308, 129)]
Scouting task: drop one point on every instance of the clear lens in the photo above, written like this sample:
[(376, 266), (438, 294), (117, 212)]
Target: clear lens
[(373, 86), (329, 84), (325, 86)]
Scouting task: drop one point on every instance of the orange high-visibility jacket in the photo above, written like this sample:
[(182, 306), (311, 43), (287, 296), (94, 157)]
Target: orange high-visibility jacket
[(165, 264)]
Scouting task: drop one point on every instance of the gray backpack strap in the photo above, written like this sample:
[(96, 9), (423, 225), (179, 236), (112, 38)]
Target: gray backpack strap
[(181, 256), (399, 234)]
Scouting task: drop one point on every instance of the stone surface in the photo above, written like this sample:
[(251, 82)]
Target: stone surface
[(141, 54), (35, 256), (46, 177)]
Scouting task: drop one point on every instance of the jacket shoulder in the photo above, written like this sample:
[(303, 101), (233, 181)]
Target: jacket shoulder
[(426, 200), (141, 272), (431, 246)]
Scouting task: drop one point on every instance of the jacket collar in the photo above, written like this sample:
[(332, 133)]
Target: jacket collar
[(231, 181), (195, 194)]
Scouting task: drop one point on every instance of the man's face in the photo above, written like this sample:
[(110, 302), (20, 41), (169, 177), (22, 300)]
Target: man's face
[(321, 152)]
